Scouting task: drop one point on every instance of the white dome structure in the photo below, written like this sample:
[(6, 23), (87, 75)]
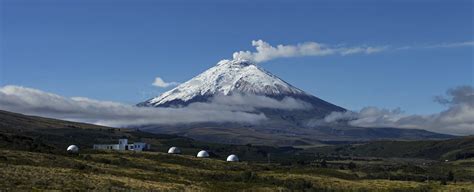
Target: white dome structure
[(174, 150), (232, 158), (72, 149), (202, 154)]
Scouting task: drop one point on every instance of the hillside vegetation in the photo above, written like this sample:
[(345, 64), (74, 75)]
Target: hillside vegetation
[(103, 170), (50, 135), (32, 156), (452, 149)]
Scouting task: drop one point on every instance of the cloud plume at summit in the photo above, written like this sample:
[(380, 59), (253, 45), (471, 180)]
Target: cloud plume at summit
[(265, 51)]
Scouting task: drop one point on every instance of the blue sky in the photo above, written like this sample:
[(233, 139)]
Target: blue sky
[(113, 50)]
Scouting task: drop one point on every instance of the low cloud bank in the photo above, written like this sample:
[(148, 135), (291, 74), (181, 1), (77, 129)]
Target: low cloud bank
[(219, 109), (457, 119), (266, 52), (251, 103)]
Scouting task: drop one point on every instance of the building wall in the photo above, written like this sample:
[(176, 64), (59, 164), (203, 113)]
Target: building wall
[(122, 145), (137, 146), (106, 147)]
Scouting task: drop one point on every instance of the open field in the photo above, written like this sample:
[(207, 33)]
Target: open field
[(107, 170)]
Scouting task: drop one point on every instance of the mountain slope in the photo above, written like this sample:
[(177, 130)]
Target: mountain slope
[(283, 126), (451, 149), (39, 134), (230, 77)]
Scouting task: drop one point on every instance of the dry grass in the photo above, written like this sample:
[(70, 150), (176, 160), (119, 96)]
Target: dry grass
[(151, 171)]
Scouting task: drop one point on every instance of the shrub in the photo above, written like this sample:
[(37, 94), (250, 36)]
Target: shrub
[(80, 166), (87, 157), (351, 165), (450, 176), (324, 164), (298, 184), (248, 176)]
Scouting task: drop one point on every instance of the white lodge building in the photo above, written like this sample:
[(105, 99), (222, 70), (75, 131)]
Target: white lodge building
[(123, 145)]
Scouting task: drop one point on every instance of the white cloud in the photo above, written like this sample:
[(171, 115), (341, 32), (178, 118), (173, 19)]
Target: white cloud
[(251, 103), (458, 119), (36, 102), (452, 45), (219, 109), (438, 46), (159, 82), (265, 51)]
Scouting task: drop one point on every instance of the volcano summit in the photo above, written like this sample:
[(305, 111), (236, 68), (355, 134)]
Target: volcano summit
[(238, 77)]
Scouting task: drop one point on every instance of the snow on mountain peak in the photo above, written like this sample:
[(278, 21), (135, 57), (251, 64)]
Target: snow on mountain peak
[(238, 62), (227, 77)]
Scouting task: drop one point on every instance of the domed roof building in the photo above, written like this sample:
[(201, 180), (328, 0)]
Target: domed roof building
[(174, 150), (72, 149), (203, 154), (232, 158)]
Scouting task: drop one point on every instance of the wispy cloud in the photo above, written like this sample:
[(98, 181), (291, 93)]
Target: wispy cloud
[(219, 109), (452, 45), (457, 119), (265, 51), (159, 82), (437, 46)]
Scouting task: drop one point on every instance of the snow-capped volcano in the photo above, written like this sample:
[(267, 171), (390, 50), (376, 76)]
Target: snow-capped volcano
[(283, 125), (228, 77), (241, 77)]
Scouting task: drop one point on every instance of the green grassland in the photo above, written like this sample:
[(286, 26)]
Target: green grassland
[(109, 170), (33, 157), (452, 149)]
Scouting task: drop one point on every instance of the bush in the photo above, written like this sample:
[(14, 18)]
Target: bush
[(81, 166), (248, 176), (87, 157), (298, 184), (351, 165), (324, 164), (450, 176), (443, 182)]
